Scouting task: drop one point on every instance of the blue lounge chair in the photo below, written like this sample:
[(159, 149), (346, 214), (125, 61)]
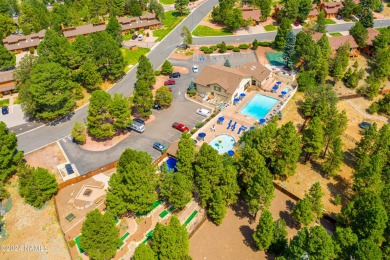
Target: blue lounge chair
[(234, 126), (230, 122)]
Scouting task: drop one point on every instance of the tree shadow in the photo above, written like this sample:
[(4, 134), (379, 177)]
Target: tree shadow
[(341, 187), (241, 210), (62, 119), (316, 166), (290, 205), (247, 233), (349, 158), (286, 216)]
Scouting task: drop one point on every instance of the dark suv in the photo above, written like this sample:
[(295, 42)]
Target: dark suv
[(175, 75)]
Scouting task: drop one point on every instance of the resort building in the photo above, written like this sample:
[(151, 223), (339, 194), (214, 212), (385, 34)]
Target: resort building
[(7, 82), (224, 84), (372, 33), (331, 9), (20, 43), (336, 42), (313, 14), (72, 32), (252, 13)]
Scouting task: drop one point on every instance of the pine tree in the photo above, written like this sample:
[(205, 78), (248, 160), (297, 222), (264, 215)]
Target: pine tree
[(143, 98), (313, 138), (166, 68), (334, 159), (117, 8), (264, 232), (367, 18), (265, 7), (135, 8), (114, 29), (279, 240), (7, 59), (227, 63), (360, 33), (304, 8), (99, 235), (217, 208), (321, 25), (145, 71), (315, 195), (99, 119), (120, 112), (283, 30), (289, 48), (89, 76), (181, 6), (302, 212)]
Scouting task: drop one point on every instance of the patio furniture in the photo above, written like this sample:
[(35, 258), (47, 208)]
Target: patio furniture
[(230, 122), (234, 126)]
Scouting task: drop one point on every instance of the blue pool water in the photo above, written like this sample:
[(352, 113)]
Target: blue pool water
[(275, 58), (223, 143), (171, 162), (286, 90), (259, 106)]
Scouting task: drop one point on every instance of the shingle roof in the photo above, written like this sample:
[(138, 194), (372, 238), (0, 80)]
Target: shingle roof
[(313, 11), (332, 7), (317, 36), (6, 76), (16, 42), (257, 70), (250, 12), (84, 29), (230, 78), (336, 42), (372, 33)]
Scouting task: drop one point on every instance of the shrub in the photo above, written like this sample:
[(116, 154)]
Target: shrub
[(243, 46), (230, 47), (203, 48), (32, 50), (213, 47), (265, 44), (236, 49), (191, 92), (199, 124), (157, 73), (147, 34), (337, 200), (166, 68), (388, 4), (78, 92), (193, 130), (140, 31), (71, 243), (79, 133), (132, 31), (222, 47)]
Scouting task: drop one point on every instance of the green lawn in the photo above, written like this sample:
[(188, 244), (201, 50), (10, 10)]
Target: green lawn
[(127, 37), (202, 30), (131, 57), (329, 21), (4, 102), (171, 20), (270, 28), (335, 34), (167, 2)]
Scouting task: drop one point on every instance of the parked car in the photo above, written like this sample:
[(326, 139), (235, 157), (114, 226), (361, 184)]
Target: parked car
[(134, 37), (138, 125), (140, 37), (203, 112), (339, 17), (364, 125), (174, 75), (169, 82), (195, 68), (183, 46), (158, 146), (180, 127), (4, 110)]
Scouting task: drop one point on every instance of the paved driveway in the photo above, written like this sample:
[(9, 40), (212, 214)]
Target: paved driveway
[(14, 117)]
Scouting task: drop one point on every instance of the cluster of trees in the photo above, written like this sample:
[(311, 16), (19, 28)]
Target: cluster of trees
[(34, 15), (7, 58), (9, 157), (228, 14), (51, 83), (36, 185), (295, 10), (382, 106)]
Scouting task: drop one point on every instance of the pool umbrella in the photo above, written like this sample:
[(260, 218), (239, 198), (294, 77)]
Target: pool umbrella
[(275, 87), (230, 152), (262, 121), (278, 82), (236, 99), (242, 95), (221, 118), (284, 92), (202, 135)]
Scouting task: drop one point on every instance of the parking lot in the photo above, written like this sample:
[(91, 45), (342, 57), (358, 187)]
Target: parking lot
[(236, 58)]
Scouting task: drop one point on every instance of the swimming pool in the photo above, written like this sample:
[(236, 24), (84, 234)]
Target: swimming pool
[(223, 143), (259, 106), (275, 58), (171, 162)]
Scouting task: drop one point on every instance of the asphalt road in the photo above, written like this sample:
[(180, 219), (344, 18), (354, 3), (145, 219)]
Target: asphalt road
[(269, 36), (46, 134)]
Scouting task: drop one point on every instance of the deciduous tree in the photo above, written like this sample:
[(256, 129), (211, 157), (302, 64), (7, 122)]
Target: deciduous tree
[(217, 209), (164, 97), (99, 120), (344, 242), (99, 235), (79, 133), (187, 35), (144, 252), (23, 71), (265, 7), (157, 8), (7, 59)]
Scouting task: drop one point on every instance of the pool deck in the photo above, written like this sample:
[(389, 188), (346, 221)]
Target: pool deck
[(232, 112)]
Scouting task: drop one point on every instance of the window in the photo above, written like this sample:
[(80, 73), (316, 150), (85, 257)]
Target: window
[(216, 88)]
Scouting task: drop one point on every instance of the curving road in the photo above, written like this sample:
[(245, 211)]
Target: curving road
[(44, 135), (269, 36)]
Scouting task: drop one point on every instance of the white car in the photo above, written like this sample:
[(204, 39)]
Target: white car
[(203, 112), (195, 68), (140, 37)]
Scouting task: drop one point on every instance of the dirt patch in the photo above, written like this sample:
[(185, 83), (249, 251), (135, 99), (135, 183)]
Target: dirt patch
[(180, 56), (233, 238), (212, 25), (94, 145), (182, 70), (27, 226), (47, 157)]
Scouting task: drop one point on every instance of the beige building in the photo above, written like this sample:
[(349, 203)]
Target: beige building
[(19, 43), (224, 84)]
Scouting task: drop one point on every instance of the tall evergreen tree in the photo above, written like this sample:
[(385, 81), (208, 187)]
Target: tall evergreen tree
[(367, 18), (217, 209), (304, 8), (315, 195), (117, 7), (7, 59), (323, 42), (344, 242), (334, 158), (321, 25), (99, 119), (181, 6), (264, 232), (171, 241), (185, 156), (145, 71), (279, 241), (143, 98), (367, 249), (120, 112), (283, 30), (313, 138), (302, 212), (9, 155), (289, 49), (166, 68), (114, 29), (265, 7), (360, 33), (99, 235), (135, 8), (88, 76), (158, 9), (23, 72)]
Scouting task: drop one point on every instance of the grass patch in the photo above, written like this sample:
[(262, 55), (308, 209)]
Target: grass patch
[(202, 30), (270, 28), (127, 37), (167, 2), (16, 101), (335, 34), (171, 20), (4, 102), (131, 57), (188, 53), (329, 21)]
